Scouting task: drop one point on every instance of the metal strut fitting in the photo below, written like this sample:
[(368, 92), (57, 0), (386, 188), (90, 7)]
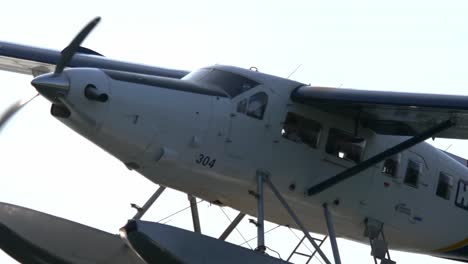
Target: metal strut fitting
[(141, 211)]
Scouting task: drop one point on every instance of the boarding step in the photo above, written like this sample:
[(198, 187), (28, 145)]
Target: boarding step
[(308, 256), (379, 247)]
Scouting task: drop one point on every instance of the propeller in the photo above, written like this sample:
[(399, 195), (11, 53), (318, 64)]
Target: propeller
[(54, 85), (13, 109), (72, 48)]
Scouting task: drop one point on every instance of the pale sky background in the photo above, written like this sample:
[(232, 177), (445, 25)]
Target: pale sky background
[(418, 46)]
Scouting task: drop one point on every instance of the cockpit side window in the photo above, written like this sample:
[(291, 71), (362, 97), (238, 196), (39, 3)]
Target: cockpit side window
[(233, 84), (254, 106), (257, 105)]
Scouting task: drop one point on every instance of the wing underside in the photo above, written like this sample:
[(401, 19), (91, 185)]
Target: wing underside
[(390, 113)]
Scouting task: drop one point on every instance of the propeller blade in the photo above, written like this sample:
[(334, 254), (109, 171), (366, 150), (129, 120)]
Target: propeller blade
[(13, 109), (70, 50)]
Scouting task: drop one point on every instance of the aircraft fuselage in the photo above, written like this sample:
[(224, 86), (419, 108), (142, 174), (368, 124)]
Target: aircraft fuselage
[(211, 144)]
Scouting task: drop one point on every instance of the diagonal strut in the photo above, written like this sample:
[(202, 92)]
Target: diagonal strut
[(348, 173)]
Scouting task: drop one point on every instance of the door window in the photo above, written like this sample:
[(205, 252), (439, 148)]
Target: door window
[(390, 166), (255, 106), (444, 186), (413, 172)]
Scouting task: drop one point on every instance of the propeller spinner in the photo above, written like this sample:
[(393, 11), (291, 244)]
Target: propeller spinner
[(54, 86)]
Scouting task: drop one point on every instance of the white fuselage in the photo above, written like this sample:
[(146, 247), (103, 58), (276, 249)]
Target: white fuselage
[(201, 144)]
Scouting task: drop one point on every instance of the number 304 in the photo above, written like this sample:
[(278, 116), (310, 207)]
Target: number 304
[(206, 161)]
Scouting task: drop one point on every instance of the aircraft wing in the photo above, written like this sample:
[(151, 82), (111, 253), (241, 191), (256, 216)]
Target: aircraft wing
[(390, 113), (36, 61)]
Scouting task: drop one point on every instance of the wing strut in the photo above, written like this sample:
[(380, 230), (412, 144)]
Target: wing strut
[(379, 157)]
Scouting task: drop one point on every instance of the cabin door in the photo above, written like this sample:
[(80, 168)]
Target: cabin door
[(397, 188), (249, 125)]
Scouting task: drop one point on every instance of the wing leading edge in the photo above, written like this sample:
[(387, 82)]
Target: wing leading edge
[(390, 113), (36, 61)]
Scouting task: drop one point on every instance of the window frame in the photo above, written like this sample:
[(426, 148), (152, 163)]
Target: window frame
[(249, 112), (419, 173), (243, 105), (448, 183), (397, 159), (233, 84), (333, 148), (303, 128)]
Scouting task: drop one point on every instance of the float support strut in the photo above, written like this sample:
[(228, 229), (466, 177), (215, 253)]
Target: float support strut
[(195, 216), (231, 227), (295, 218), (260, 214), (331, 234), (141, 211)]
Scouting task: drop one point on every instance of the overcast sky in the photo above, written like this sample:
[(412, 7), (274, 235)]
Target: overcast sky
[(418, 46)]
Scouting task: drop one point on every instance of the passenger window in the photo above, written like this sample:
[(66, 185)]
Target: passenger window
[(301, 130), (345, 145), (257, 105), (412, 174), (445, 185), (390, 166)]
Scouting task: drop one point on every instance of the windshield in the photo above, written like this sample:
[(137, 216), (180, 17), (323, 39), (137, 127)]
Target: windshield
[(232, 83)]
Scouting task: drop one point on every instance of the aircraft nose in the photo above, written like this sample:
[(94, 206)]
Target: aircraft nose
[(52, 86)]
